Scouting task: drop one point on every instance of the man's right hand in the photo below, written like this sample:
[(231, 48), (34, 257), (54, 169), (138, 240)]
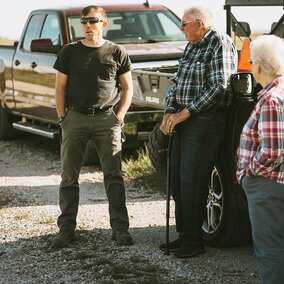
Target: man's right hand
[(163, 126)]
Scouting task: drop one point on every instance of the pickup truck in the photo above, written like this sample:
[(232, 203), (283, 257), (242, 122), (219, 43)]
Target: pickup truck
[(150, 34)]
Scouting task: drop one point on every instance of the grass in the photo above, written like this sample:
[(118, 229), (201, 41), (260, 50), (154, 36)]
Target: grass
[(139, 169)]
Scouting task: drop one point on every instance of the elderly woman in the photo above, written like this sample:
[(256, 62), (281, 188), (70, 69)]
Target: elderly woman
[(261, 158)]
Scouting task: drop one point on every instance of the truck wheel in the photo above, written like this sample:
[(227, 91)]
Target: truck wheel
[(223, 225), (6, 128), (157, 149), (91, 156)]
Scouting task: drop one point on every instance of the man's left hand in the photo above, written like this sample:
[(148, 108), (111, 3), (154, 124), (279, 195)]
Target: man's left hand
[(120, 117)]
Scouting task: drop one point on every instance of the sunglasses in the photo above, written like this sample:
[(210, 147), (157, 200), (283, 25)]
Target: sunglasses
[(184, 23), (91, 20)]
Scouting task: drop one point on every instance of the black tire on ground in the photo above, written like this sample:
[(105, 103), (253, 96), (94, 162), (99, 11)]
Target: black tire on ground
[(6, 128), (157, 149), (90, 155), (223, 224)]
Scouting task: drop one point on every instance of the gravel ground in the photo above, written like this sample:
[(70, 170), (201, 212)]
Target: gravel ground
[(29, 179)]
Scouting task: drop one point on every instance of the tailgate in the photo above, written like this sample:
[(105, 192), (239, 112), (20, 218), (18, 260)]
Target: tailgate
[(150, 87)]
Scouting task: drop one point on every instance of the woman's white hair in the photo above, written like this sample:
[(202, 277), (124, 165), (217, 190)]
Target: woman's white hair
[(200, 13), (268, 51)]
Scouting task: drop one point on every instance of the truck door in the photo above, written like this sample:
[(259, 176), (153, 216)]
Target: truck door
[(34, 76)]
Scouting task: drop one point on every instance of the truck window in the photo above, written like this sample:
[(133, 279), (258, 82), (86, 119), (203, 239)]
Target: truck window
[(265, 26), (135, 26), (32, 31), (171, 28), (51, 29), (126, 27)]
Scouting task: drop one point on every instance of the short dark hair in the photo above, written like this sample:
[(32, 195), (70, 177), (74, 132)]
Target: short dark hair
[(85, 11)]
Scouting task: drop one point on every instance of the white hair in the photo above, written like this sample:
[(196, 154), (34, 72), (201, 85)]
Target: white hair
[(268, 51), (200, 13)]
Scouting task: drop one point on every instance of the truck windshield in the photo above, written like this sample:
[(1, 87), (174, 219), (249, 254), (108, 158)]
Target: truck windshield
[(272, 23), (135, 27)]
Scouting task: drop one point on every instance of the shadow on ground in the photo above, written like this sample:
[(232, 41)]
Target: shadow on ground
[(94, 258)]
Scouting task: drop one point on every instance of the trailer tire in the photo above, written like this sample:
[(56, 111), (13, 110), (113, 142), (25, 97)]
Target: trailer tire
[(157, 149), (7, 131), (223, 224)]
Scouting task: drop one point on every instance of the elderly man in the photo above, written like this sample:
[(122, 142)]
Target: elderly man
[(195, 116)]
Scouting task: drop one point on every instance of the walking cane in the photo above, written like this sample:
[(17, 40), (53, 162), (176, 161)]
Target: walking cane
[(167, 250)]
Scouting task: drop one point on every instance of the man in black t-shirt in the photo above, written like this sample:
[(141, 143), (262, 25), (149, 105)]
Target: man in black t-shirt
[(89, 73)]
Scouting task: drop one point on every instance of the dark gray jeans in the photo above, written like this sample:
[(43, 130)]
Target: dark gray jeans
[(194, 152), (104, 129), (266, 210)]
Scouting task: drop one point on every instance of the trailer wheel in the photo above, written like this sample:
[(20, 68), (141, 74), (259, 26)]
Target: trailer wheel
[(223, 225), (6, 128), (157, 149)]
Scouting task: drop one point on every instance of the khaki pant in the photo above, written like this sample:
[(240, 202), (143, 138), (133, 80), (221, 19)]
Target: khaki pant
[(103, 128)]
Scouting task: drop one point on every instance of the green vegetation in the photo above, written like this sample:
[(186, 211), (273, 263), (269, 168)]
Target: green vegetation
[(139, 169)]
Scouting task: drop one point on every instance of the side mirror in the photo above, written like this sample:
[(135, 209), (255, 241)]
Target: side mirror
[(241, 84), (279, 31), (44, 45), (241, 29)]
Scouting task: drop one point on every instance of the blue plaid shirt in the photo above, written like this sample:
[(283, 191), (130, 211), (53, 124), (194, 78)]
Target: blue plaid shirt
[(202, 75)]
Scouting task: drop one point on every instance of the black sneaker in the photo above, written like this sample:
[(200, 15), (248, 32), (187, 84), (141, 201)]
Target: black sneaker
[(63, 239), (187, 251), (172, 245), (122, 238)]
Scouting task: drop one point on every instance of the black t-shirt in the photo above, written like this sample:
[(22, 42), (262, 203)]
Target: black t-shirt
[(92, 73)]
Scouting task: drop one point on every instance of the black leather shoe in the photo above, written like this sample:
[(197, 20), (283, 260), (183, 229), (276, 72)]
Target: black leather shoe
[(172, 245), (188, 251), (122, 238)]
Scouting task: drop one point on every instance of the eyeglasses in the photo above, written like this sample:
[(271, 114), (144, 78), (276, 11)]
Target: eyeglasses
[(91, 20), (184, 23)]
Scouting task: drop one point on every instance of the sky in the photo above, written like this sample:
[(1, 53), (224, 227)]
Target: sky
[(18, 13)]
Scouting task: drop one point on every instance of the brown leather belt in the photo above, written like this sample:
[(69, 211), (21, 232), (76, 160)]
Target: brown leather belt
[(90, 111)]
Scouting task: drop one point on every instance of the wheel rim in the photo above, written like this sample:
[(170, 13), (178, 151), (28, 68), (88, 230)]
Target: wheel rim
[(214, 207)]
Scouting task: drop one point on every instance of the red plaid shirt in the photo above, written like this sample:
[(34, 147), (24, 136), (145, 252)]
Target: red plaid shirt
[(261, 149)]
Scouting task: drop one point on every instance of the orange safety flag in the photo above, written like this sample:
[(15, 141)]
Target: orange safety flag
[(244, 60)]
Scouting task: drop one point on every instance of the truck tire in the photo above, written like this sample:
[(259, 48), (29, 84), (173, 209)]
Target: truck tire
[(6, 128), (90, 155), (223, 225), (157, 149)]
